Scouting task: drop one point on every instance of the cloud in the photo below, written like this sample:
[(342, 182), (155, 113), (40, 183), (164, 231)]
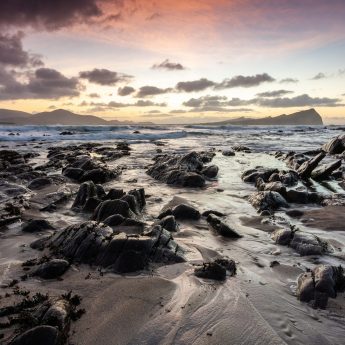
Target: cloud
[(104, 76), (177, 111), (299, 101), (245, 81), (125, 91), (213, 102), (50, 15), (44, 83), (13, 54), (288, 80), (147, 91), (169, 66), (114, 105), (219, 109), (195, 85), (94, 95), (319, 76), (275, 93)]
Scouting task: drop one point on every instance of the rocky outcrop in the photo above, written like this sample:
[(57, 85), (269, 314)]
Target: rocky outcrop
[(221, 228), (335, 145), (183, 170), (96, 244), (217, 269), (267, 200)]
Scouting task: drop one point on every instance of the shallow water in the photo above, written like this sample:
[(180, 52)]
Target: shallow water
[(259, 303)]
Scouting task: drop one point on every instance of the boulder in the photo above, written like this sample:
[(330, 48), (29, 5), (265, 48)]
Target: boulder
[(212, 270), (325, 171), (306, 169), (228, 153), (210, 171), (335, 145), (52, 269), (169, 223), (111, 207), (221, 228), (37, 225), (267, 200), (39, 335), (185, 212), (39, 183)]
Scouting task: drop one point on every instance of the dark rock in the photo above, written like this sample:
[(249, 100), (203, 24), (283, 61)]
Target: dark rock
[(37, 225), (210, 171), (39, 335), (40, 243), (66, 133), (267, 200), (221, 228), (114, 194), (96, 176), (39, 183), (114, 220), (52, 269), (91, 204), (270, 186), (324, 171), (282, 236), (216, 213), (335, 145), (307, 244), (169, 223), (73, 173), (228, 264), (228, 153), (306, 169), (241, 148), (303, 197), (250, 176), (86, 191), (211, 270), (185, 212), (110, 207)]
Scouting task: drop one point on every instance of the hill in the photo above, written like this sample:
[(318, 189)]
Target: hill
[(308, 117)]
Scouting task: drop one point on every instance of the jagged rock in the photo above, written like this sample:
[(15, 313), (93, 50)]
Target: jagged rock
[(91, 204), (57, 314), (270, 186), (228, 264), (86, 191), (169, 223), (39, 335), (325, 171), (335, 145), (97, 244), (212, 270), (267, 201), (306, 169), (52, 269), (323, 282), (40, 243), (114, 194), (182, 170), (111, 207), (37, 225), (185, 212), (221, 228), (303, 197), (114, 220), (73, 173)]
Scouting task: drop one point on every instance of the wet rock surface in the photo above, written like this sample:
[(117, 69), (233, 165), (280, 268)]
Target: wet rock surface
[(218, 269), (183, 170)]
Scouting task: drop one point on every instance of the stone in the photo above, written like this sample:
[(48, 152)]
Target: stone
[(52, 269), (228, 153), (306, 169), (39, 183), (210, 171), (267, 200), (185, 212), (169, 223), (39, 335), (325, 171), (221, 228), (37, 225), (212, 270), (111, 207), (335, 145), (73, 173), (282, 236)]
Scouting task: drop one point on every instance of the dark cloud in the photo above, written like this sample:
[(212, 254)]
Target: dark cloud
[(125, 91), (104, 76), (195, 85), (299, 101), (213, 102), (13, 54), (147, 91), (44, 83), (169, 66), (288, 80), (319, 76), (275, 93), (50, 15), (115, 105), (245, 81)]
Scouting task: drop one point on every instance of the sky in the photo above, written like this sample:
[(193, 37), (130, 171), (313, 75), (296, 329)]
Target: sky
[(173, 61)]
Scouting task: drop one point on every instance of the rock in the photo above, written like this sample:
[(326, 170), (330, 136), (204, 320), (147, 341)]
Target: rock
[(114, 220), (241, 148), (52, 269), (73, 173), (251, 175), (228, 264), (228, 153), (324, 171), (185, 212), (40, 243), (86, 191), (39, 183), (111, 207), (97, 244), (96, 176), (66, 133), (211, 171), (221, 228), (307, 244), (182, 170), (335, 145), (37, 225), (267, 200), (114, 194), (282, 236), (323, 282), (306, 169), (57, 314), (216, 213), (270, 186), (91, 204), (39, 335), (211, 270), (303, 197), (169, 223)]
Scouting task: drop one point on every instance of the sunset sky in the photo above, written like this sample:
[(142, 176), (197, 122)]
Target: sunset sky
[(173, 61)]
